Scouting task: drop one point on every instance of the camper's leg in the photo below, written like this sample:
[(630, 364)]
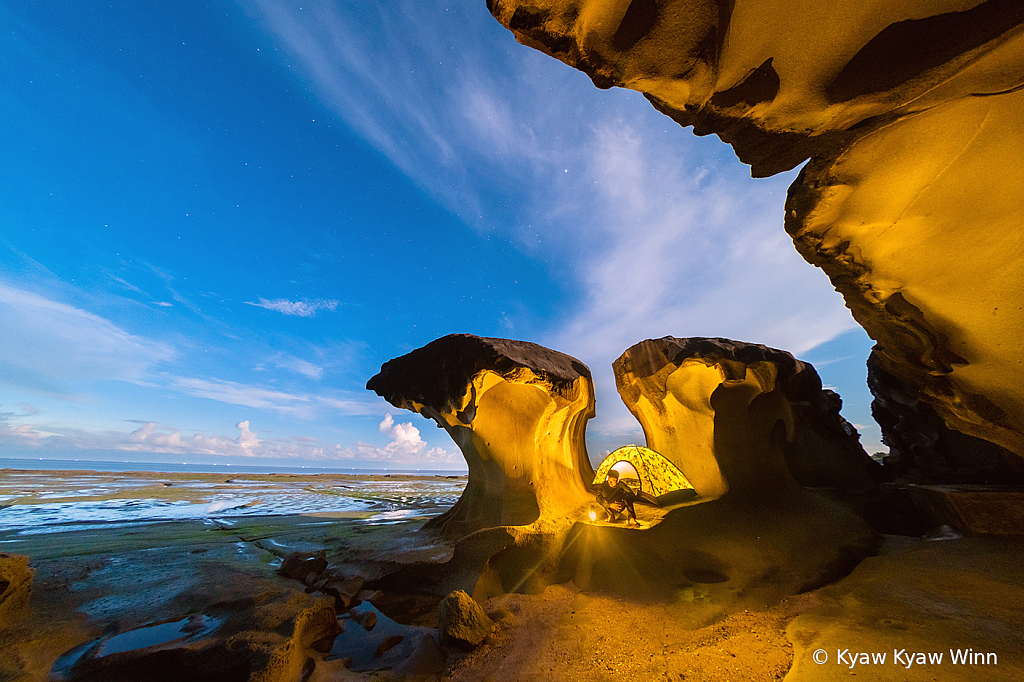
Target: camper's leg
[(612, 510)]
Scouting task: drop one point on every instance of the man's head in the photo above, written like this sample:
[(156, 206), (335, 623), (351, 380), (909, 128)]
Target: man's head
[(612, 478)]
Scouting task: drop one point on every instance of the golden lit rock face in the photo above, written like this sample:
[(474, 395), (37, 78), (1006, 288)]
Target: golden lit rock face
[(911, 114), (928, 250), (518, 411), (720, 410), (731, 416)]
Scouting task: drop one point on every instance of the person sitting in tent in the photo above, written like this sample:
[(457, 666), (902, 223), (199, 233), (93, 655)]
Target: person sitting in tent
[(615, 496)]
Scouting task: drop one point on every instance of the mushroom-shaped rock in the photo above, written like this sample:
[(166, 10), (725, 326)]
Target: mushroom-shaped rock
[(517, 411), (724, 412), (910, 114), (461, 621), (730, 414)]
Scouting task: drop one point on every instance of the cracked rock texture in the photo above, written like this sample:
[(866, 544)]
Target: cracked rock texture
[(518, 411), (910, 114)]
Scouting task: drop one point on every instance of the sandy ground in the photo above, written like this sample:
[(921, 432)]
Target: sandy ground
[(564, 634), (916, 596)]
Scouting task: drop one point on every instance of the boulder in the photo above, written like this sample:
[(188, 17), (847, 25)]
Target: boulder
[(517, 411), (368, 619), (461, 621), (909, 115), (387, 645), (304, 566), (344, 591)]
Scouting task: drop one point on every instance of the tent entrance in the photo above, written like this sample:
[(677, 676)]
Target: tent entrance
[(649, 474)]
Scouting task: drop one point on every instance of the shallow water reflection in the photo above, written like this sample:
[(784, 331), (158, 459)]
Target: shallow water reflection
[(52, 501)]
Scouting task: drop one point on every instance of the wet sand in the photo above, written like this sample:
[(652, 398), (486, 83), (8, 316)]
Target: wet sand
[(114, 552), (96, 580), (45, 501)]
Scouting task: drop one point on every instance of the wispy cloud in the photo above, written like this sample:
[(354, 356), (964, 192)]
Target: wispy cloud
[(47, 347), (169, 279), (658, 232), (28, 410), (302, 308), (298, 365), (300, 405), (235, 393)]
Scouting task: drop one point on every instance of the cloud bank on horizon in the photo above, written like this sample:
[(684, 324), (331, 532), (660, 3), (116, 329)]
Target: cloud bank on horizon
[(593, 222)]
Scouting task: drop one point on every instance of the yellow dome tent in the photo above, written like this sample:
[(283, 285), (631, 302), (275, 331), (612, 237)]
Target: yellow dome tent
[(651, 476)]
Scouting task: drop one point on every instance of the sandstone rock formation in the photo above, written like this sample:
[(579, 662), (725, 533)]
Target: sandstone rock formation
[(911, 117), (922, 449), (518, 412), (740, 418), (724, 412), (720, 410)]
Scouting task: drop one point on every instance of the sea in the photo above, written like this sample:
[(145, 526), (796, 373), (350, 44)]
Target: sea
[(59, 495), (200, 468)]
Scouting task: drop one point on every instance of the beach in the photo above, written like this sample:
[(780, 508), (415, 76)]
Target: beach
[(160, 576), (117, 552)]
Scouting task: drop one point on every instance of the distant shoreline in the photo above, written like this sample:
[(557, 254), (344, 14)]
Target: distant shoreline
[(126, 467)]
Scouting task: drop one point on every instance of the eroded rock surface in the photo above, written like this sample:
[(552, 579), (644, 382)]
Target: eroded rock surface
[(922, 449), (271, 640), (910, 114), (740, 418), (723, 412), (517, 411)]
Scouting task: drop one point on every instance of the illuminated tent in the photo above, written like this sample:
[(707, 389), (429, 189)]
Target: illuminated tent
[(652, 477)]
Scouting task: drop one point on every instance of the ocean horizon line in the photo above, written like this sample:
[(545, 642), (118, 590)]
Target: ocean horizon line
[(124, 466)]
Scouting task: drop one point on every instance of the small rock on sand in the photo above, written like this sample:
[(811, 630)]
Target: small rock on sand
[(461, 621), (387, 645)]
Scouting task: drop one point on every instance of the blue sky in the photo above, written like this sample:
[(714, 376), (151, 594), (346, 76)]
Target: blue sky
[(217, 220)]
